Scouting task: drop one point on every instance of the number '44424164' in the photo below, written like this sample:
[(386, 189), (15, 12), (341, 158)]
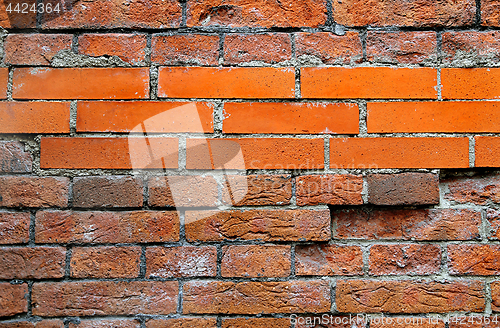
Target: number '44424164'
[(26, 8)]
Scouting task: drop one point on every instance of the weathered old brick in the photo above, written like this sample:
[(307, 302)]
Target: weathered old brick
[(470, 48), (328, 260), (34, 49), (106, 323), (481, 260), (330, 48), (33, 191), (32, 262), (130, 48), (107, 191), (493, 217), (256, 261), (268, 48), (13, 299), (405, 259), (478, 190), (189, 49), (14, 19), (105, 262), (339, 189), (256, 323), (244, 190), (407, 322), (495, 296), (13, 158), (28, 324), (182, 261), (490, 16), (179, 191), (464, 321), (182, 323), (14, 227)]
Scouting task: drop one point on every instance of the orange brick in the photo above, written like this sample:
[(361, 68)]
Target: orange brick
[(487, 150), (35, 49), (190, 49), (256, 261), (262, 189), (489, 13), (328, 260), (223, 82), (330, 48), (29, 191), (131, 48), (255, 153), (80, 83), (13, 299), (449, 116), (4, 79), (182, 323), (105, 262), (368, 82), (256, 323), (405, 259), (182, 261), (104, 323), (481, 260), (399, 153), (269, 48), (183, 191), (335, 189), (34, 117), (144, 116), (293, 118), (470, 83), (32, 262), (14, 227), (108, 153), (407, 322)]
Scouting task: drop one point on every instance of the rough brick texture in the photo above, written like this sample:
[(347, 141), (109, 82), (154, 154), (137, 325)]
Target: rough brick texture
[(14, 158), (35, 49), (113, 191)]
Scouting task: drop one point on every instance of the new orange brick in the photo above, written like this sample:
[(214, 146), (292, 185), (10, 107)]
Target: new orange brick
[(35, 49), (256, 323), (487, 150), (32, 262), (224, 82), (262, 189), (144, 116), (256, 261), (105, 262), (470, 83), (368, 82), (80, 83), (188, 49), (338, 189), (14, 158), (330, 48), (106, 227), (182, 323), (13, 299), (108, 191), (399, 153), (482, 260), (471, 47), (293, 118), (104, 298), (130, 48), (182, 191), (14, 227), (408, 296), (4, 79), (34, 117), (109, 153), (103, 323), (328, 260), (268, 48), (20, 191), (14, 19), (256, 297), (254, 153), (405, 259), (182, 261)]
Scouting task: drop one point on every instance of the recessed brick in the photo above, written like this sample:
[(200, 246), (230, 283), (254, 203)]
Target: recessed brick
[(328, 260), (130, 48), (34, 49), (188, 49), (107, 191), (182, 261), (262, 189), (13, 158), (339, 189), (329, 47), (269, 48), (471, 48)]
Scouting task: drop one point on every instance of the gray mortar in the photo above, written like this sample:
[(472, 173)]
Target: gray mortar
[(3, 35), (67, 58)]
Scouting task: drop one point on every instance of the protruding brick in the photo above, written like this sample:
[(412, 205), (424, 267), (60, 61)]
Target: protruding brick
[(256, 261), (402, 47), (269, 48), (14, 227), (14, 19), (405, 259), (34, 49), (434, 224), (13, 158), (18, 191), (34, 117), (470, 83), (328, 260), (489, 13), (256, 297), (107, 191), (182, 323), (291, 118), (368, 82), (182, 191), (80, 83), (478, 190), (182, 261), (408, 296), (262, 189), (106, 323), (339, 189), (104, 298), (267, 225), (470, 48), (254, 153), (106, 227), (256, 323), (329, 47), (188, 49), (380, 153), (486, 151), (130, 48), (481, 260), (32, 262), (105, 262), (225, 82), (13, 299), (29, 324)]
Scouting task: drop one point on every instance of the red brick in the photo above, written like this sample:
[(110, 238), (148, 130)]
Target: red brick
[(380, 153), (328, 321), (109, 153), (471, 47), (328, 260), (13, 299), (427, 13), (449, 116), (226, 82), (106, 323), (182, 191), (189, 49), (17, 20), (182, 323), (182, 261), (34, 117), (292, 118), (4, 79), (256, 261), (104, 298), (238, 13), (80, 83), (490, 16), (107, 191), (407, 322), (269, 48), (404, 259), (35, 49), (106, 227), (105, 262), (495, 296), (409, 296), (244, 190), (339, 189), (493, 217), (256, 323), (256, 297), (330, 48), (16, 191), (486, 149), (478, 190), (481, 260), (433, 224), (32, 262), (29, 324), (266, 225), (474, 322), (14, 227), (13, 158), (254, 153), (130, 48), (368, 82), (402, 47), (470, 83)]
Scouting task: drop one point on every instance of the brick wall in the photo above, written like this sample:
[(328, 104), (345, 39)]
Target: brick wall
[(250, 164)]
